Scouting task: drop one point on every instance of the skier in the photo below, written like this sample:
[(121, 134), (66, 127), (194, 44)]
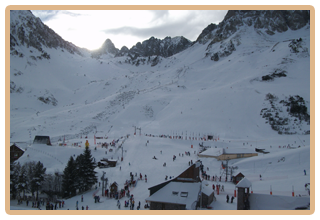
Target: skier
[(227, 198), (260, 177), (81, 198), (232, 198), (77, 204), (222, 188), (305, 172)]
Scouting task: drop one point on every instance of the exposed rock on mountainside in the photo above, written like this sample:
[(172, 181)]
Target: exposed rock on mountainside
[(106, 48), (271, 21), (27, 30), (165, 48), (151, 47), (267, 21)]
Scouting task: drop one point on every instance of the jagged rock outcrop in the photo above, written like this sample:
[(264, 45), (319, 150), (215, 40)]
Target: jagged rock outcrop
[(270, 20), (106, 48), (27, 30), (165, 48)]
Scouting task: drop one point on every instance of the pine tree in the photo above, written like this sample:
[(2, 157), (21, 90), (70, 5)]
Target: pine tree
[(88, 172), (14, 177), (90, 165), (23, 183), (69, 178), (79, 172), (37, 177)]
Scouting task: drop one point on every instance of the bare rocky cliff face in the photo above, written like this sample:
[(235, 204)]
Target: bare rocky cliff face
[(270, 21), (27, 30)]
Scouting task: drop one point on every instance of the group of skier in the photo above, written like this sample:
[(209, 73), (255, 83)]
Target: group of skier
[(82, 208), (232, 198), (218, 187)]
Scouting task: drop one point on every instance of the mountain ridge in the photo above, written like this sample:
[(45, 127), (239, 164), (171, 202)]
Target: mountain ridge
[(271, 21)]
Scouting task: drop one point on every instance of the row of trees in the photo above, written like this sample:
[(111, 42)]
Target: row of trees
[(26, 178), (31, 177)]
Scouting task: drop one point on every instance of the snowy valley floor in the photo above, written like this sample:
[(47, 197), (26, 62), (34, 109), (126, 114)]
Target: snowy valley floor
[(282, 175)]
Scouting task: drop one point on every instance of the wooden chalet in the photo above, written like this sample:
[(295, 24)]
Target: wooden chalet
[(15, 152), (236, 179)]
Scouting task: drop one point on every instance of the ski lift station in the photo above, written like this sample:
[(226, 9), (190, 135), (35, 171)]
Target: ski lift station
[(228, 154)]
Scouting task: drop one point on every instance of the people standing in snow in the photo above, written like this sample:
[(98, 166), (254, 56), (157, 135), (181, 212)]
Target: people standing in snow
[(227, 198), (81, 198), (232, 198)]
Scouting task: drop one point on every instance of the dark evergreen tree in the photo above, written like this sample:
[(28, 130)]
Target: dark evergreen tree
[(23, 181), (79, 172), (36, 177), (69, 181), (14, 177), (88, 172)]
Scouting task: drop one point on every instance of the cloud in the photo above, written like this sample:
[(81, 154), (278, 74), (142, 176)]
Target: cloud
[(189, 25), (159, 14), (127, 27), (46, 15)]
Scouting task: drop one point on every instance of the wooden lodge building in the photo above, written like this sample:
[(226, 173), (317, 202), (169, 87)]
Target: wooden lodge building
[(16, 151)]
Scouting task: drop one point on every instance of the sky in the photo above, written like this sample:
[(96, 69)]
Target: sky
[(89, 29)]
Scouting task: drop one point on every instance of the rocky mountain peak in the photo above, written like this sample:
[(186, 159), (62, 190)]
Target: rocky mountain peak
[(270, 21), (165, 47), (27, 30)]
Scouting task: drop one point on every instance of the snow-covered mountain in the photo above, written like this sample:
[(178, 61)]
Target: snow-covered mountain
[(245, 78), (244, 81)]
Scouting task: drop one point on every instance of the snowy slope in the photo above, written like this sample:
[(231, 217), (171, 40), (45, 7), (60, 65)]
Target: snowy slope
[(199, 94), (187, 94)]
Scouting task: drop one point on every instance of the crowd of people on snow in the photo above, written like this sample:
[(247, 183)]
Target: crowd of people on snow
[(48, 203)]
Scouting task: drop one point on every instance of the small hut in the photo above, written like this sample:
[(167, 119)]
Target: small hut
[(207, 196), (42, 140), (236, 179), (111, 163), (243, 194), (114, 187)]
